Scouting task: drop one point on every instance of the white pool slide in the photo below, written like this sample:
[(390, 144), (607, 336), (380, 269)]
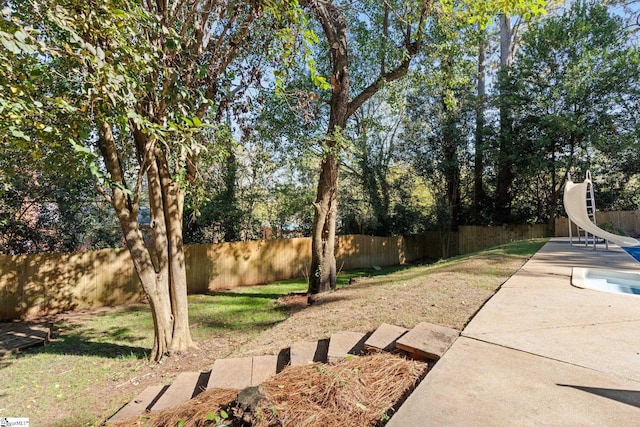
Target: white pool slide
[(575, 204)]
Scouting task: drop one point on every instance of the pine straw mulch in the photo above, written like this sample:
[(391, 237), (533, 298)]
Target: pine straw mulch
[(360, 391)]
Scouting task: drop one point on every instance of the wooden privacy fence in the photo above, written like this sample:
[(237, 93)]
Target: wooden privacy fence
[(36, 284), (475, 238), (625, 221)]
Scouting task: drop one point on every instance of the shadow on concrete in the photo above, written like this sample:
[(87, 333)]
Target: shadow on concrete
[(630, 397)]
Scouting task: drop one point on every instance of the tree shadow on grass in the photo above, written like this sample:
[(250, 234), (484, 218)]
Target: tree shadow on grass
[(79, 337), (87, 340), (345, 279), (111, 334), (244, 316), (80, 344), (273, 296), (245, 327)]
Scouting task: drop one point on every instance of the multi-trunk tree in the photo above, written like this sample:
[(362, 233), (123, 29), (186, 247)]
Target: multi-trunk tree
[(144, 77)]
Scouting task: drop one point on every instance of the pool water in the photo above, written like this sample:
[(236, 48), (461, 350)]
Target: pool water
[(615, 281), (634, 251)]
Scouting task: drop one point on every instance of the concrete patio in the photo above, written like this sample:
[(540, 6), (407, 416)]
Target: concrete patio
[(540, 352)]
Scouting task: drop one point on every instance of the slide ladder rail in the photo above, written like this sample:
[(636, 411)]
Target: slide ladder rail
[(591, 209), (569, 222), (591, 213)]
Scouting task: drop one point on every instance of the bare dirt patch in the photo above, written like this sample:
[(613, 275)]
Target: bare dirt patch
[(295, 302), (449, 295)]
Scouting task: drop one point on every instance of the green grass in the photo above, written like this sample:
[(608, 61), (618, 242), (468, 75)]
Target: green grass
[(509, 250), (250, 310), (253, 309), (109, 348), (518, 249)]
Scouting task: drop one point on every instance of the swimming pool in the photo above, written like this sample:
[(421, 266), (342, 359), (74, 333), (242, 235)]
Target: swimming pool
[(634, 251), (600, 279)]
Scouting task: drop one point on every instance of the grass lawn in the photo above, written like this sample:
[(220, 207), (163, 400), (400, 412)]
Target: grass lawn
[(98, 362)]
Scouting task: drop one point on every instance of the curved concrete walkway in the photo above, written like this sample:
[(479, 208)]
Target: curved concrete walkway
[(540, 352)]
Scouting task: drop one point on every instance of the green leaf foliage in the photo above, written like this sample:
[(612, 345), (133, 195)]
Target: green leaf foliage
[(574, 89)]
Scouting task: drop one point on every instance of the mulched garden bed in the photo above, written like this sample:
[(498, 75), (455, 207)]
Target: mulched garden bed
[(359, 391)]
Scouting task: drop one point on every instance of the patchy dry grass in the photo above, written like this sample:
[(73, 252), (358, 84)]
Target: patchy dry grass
[(448, 293)]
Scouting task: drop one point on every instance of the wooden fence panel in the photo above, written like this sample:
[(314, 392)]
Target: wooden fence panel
[(228, 265), (626, 221), (426, 245), (356, 251), (475, 238), (37, 284)]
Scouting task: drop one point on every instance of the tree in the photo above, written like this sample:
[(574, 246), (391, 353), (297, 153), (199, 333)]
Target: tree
[(479, 194), (144, 105), (505, 155), (50, 205), (395, 36), (47, 197), (343, 104), (439, 122), (576, 89), (370, 168)]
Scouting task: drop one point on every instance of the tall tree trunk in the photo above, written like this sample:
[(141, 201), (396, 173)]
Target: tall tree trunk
[(173, 208), (323, 260), (478, 164), (557, 188), (505, 160), (505, 175), (334, 26), (450, 164), (158, 225), (231, 221), (553, 203), (452, 177)]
